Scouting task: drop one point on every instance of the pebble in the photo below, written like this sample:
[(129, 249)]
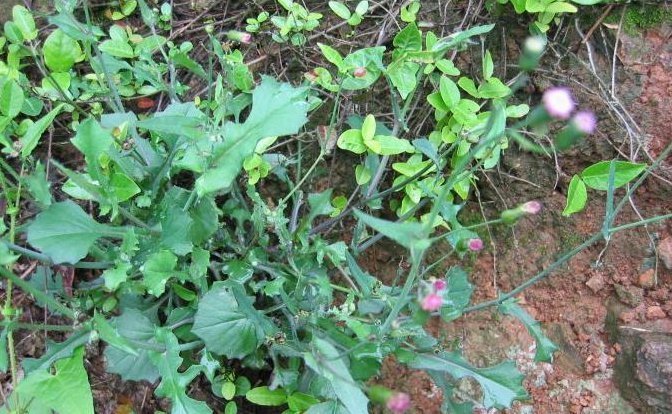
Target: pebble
[(596, 283), (647, 279), (665, 252), (655, 312)]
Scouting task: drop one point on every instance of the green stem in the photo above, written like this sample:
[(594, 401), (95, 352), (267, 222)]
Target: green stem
[(304, 178), (47, 260), (39, 295), (36, 326)]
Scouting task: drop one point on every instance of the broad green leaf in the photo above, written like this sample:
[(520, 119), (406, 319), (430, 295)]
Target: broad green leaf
[(174, 381), (277, 109), (545, 348), (92, 141), (11, 98), (560, 7), (328, 363), (389, 145), (229, 324), (370, 58), (266, 397), (362, 174), (501, 384), (409, 38), (13, 33), (331, 55), (57, 351), (403, 76), (576, 196), (597, 175), (447, 67), (465, 111), (23, 18), (412, 236), (362, 7), (436, 101), (116, 276), (66, 391), (493, 88), (117, 48), (369, 128), (60, 51), (65, 233), (351, 140), (468, 86), (457, 294), (124, 187), (32, 137), (134, 326), (340, 9), (517, 111), (158, 268), (176, 230), (449, 92), (300, 402)]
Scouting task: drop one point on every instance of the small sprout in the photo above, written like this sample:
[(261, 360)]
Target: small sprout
[(558, 102), (431, 302), (585, 122)]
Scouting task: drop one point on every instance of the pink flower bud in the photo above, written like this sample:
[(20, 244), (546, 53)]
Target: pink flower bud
[(242, 37), (531, 207), (475, 245), (359, 72), (439, 285), (431, 302), (558, 102), (399, 403), (585, 122)]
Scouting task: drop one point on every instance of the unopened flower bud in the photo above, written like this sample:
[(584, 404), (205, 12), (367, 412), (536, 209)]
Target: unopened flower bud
[(439, 285), (531, 207), (209, 28), (558, 102), (359, 72), (241, 37), (399, 403), (431, 302)]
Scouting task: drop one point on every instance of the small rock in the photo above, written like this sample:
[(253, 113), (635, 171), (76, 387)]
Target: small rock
[(665, 252), (627, 316), (647, 279), (655, 312), (596, 283), (630, 295)]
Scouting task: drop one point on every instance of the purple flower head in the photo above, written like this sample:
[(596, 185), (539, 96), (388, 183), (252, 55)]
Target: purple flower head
[(399, 403), (531, 207), (439, 285), (585, 122), (475, 245), (558, 102), (431, 302)]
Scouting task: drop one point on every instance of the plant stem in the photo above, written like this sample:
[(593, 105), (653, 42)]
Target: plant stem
[(47, 261), (39, 295), (37, 326)]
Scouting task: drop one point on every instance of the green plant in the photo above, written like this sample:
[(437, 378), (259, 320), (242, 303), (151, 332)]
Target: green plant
[(198, 271), (355, 17), (546, 10), (297, 21)]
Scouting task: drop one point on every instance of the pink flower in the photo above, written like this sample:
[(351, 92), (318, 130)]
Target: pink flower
[(585, 122), (431, 302), (531, 207), (237, 36), (475, 245), (359, 72), (439, 285), (399, 403), (558, 102)]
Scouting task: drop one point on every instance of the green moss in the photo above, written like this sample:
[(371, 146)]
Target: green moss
[(641, 17)]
